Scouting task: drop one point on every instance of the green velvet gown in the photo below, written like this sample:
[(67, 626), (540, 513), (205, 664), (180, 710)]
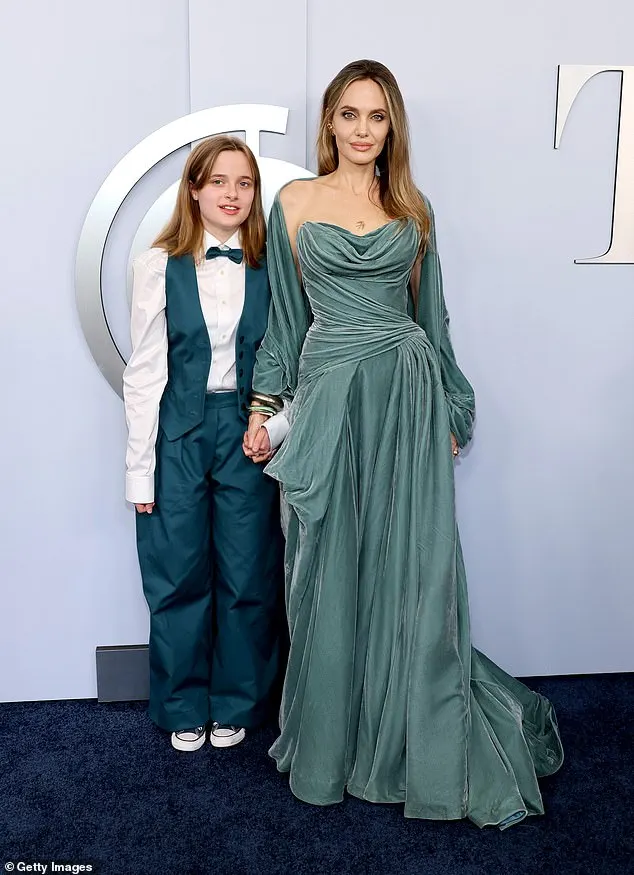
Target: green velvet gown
[(384, 696)]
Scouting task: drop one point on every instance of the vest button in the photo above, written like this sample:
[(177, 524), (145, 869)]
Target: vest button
[(240, 372), (241, 355), (242, 390), (242, 338)]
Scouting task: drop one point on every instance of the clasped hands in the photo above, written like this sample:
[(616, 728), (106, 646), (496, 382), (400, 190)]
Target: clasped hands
[(256, 443)]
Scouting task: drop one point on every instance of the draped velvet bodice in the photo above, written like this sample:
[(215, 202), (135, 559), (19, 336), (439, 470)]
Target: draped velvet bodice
[(357, 287), (353, 278)]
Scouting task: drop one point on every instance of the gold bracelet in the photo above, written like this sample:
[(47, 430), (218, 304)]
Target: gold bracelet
[(268, 400)]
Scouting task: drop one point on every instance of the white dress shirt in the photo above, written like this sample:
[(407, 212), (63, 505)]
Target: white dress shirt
[(221, 289)]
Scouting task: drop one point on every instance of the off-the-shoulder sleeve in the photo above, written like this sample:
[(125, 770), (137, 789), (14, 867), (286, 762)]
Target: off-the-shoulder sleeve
[(289, 315), (433, 317)]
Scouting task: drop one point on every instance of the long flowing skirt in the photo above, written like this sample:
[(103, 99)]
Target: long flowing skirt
[(384, 696)]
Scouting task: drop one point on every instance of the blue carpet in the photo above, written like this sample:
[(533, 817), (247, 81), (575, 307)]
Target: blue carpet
[(85, 782)]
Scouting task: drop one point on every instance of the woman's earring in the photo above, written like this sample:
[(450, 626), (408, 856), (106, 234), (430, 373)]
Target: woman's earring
[(331, 129)]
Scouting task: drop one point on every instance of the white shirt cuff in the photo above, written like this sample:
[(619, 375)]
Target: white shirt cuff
[(139, 489), (277, 427)]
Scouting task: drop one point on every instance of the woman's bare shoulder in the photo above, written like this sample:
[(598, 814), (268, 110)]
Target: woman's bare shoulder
[(297, 200), (295, 195)]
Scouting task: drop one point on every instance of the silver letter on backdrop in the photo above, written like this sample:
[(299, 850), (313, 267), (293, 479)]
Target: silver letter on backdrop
[(572, 78)]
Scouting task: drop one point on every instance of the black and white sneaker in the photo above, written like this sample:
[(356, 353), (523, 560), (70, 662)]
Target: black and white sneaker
[(189, 739), (223, 735)]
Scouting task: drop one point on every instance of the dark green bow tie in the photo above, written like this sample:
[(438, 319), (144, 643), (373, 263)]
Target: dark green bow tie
[(234, 255)]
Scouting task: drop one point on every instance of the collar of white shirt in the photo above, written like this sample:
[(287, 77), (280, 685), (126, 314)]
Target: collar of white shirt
[(232, 243)]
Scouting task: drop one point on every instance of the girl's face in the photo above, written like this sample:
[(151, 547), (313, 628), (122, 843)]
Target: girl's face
[(225, 201), (360, 122)]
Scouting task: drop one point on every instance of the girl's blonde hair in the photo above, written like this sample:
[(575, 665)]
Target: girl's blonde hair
[(184, 233), (398, 195)]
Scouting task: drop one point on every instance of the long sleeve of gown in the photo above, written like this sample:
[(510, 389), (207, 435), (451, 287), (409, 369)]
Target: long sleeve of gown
[(433, 317), (289, 315)]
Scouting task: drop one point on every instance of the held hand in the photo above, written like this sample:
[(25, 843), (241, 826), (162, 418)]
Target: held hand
[(264, 457), (256, 443), (455, 449), (144, 508), (262, 451), (255, 421)]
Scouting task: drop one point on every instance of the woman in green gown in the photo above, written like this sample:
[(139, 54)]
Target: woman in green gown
[(384, 696)]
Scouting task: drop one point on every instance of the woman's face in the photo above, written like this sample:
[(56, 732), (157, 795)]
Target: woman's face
[(225, 201), (360, 122)]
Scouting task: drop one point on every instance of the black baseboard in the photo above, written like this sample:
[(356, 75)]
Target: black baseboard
[(123, 673)]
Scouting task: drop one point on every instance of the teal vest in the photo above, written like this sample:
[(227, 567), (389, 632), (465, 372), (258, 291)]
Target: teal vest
[(189, 350)]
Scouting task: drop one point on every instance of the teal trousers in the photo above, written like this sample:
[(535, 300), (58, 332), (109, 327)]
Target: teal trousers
[(211, 558)]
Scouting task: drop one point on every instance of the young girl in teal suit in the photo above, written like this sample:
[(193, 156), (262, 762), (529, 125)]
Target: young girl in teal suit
[(208, 533)]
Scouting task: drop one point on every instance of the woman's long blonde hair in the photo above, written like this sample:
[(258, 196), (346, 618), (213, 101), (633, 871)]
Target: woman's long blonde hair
[(398, 194), (184, 233)]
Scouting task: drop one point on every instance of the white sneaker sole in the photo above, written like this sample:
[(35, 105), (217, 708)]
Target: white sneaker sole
[(187, 746), (226, 740)]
